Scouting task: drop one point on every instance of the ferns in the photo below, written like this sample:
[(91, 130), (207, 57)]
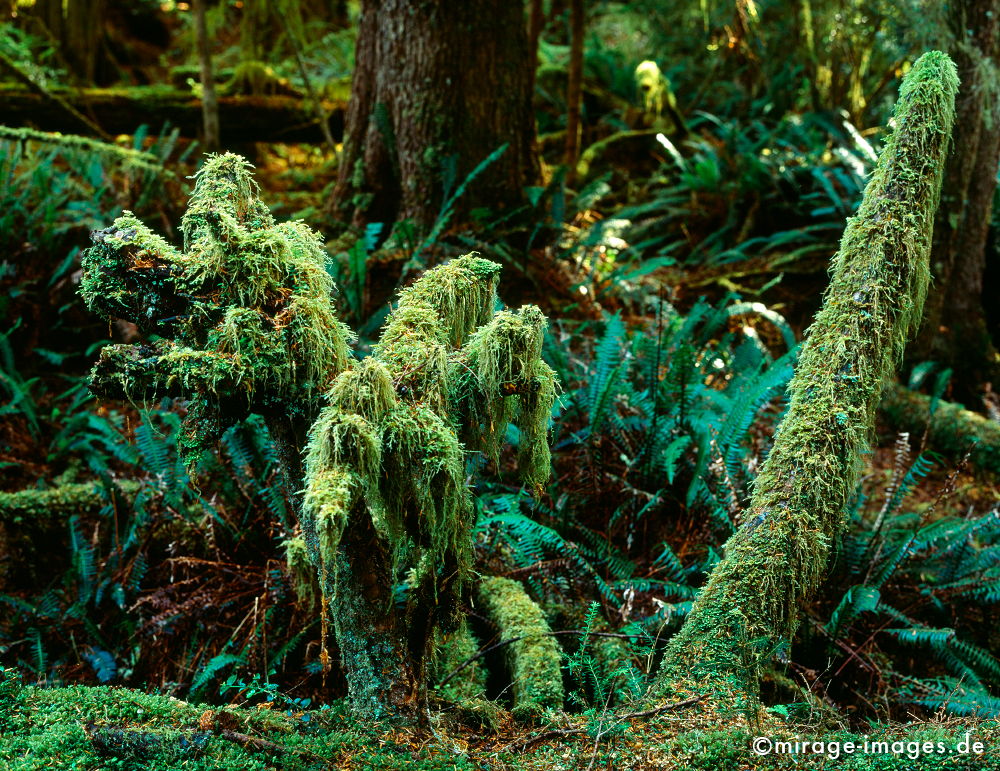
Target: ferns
[(936, 567)]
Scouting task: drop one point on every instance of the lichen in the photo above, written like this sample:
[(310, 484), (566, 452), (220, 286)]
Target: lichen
[(874, 300)]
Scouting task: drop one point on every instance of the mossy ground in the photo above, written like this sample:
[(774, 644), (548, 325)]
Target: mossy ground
[(48, 729)]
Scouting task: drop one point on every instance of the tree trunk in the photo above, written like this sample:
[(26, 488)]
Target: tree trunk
[(378, 659), (955, 333), (437, 87), (574, 85), (209, 102), (775, 561)]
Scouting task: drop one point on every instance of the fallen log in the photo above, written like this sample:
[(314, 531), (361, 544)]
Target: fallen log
[(951, 429), (242, 119)]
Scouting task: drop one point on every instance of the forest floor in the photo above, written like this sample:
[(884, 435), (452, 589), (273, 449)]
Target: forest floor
[(105, 727)]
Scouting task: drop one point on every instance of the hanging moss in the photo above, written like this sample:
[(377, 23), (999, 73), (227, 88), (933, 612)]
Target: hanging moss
[(462, 292), (534, 659), (879, 280), (244, 310), (413, 351), (365, 389), (411, 401), (501, 378), (301, 571)]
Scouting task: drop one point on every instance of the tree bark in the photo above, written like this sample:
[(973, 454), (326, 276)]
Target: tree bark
[(437, 88), (574, 85), (209, 101), (955, 332)]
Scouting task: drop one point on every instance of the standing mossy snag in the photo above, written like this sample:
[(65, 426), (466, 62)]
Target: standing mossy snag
[(387, 463), (244, 325), (873, 304)]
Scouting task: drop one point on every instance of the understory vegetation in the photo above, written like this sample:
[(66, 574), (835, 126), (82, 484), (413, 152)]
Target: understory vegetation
[(291, 477)]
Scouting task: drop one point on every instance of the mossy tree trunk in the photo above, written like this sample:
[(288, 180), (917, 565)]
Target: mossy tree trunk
[(955, 332), (775, 561), (437, 88)]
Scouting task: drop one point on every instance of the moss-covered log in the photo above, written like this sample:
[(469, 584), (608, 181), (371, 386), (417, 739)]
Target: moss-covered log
[(34, 521), (879, 280), (56, 503), (533, 655), (951, 429), (122, 110)]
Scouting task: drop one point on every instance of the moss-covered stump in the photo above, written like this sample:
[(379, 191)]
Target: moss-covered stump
[(533, 656), (775, 561), (951, 429), (240, 321)]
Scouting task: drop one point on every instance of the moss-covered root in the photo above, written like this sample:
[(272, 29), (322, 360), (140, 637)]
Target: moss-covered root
[(533, 656), (951, 429), (450, 652), (875, 298)]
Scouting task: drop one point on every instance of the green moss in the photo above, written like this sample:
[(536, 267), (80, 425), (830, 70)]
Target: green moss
[(534, 659), (501, 378), (245, 325), (365, 389), (878, 283), (301, 571), (451, 651), (245, 309), (424, 484), (462, 292)]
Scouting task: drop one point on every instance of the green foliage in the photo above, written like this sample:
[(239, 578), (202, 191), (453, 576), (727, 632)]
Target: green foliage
[(912, 568)]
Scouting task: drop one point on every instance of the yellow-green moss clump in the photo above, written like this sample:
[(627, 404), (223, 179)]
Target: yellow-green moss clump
[(533, 657), (874, 302), (243, 312)]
